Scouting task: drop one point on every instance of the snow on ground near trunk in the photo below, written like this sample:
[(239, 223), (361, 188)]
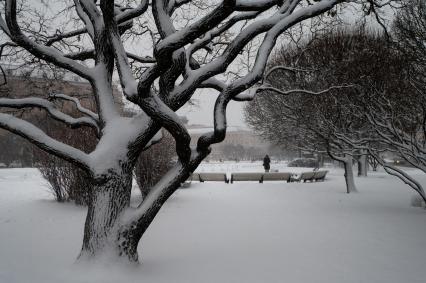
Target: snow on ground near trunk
[(213, 232)]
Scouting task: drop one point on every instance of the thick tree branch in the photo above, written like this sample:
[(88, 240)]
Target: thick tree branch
[(77, 103), (50, 108), (43, 141)]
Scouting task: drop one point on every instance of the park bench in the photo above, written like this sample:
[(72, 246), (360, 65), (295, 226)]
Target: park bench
[(310, 176), (205, 177), (208, 177), (320, 175), (213, 177), (277, 176), (305, 176), (194, 177), (247, 177), (258, 177)]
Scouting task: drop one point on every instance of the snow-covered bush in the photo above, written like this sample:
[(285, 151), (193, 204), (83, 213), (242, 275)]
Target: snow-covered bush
[(304, 162)]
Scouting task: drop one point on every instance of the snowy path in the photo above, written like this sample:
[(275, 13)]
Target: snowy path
[(245, 232)]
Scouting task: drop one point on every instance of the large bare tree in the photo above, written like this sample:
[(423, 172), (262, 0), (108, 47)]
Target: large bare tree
[(187, 55)]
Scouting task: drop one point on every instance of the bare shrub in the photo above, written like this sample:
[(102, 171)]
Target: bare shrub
[(66, 181), (154, 163)]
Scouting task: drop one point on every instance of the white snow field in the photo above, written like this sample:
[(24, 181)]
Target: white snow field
[(215, 232)]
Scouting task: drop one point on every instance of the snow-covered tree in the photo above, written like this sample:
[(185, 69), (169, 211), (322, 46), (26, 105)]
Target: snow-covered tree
[(399, 124), (397, 112), (316, 93), (409, 32), (193, 44)]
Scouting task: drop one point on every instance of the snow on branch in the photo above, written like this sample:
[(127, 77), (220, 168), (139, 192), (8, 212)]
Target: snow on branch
[(131, 13), (47, 53), (128, 82), (174, 4), (209, 36), (42, 140), (214, 84), (122, 18), (407, 145), (92, 12), (50, 108), (283, 68), (249, 5), (399, 173), (140, 59), (85, 19), (90, 54), (276, 25), (4, 27), (300, 91), (77, 103), (60, 36), (161, 113), (178, 39)]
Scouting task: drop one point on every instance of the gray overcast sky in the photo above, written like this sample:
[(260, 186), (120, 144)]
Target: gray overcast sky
[(202, 112)]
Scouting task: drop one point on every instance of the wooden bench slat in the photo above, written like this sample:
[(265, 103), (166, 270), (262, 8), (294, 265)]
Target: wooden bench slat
[(247, 177), (213, 177), (277, 176), (320, 175)]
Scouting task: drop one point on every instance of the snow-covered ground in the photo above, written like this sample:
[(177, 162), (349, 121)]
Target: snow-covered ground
[(214, 232)]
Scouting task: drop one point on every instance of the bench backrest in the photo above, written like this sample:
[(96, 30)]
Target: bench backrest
[(276, 176), (320, 174), (246, 176), (307, 175), (213, 177)]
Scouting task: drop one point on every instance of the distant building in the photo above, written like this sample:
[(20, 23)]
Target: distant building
[(239, 143)]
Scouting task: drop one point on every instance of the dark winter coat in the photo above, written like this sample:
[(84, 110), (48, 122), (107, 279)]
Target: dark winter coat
[(266, 162)]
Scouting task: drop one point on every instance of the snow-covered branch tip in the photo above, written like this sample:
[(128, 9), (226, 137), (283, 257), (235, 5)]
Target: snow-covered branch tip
[(51, 109), (300, 91), (77, 103), (47, 53)]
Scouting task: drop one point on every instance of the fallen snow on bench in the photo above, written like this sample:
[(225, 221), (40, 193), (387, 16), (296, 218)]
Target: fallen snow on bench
[(213, 232)]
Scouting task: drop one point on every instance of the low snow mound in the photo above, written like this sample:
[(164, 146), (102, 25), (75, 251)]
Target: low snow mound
[(417, 201)]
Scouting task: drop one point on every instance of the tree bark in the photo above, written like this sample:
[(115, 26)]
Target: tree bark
[(362, 165), (110, 197), (349, 175)]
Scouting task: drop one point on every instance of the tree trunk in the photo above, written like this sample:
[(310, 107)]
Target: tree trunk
[(320, 160), (373, 162), (349, 175), (110, 196), (362, 165)]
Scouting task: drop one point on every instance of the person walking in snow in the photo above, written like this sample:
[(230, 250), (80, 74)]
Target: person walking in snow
[(266, 163)]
